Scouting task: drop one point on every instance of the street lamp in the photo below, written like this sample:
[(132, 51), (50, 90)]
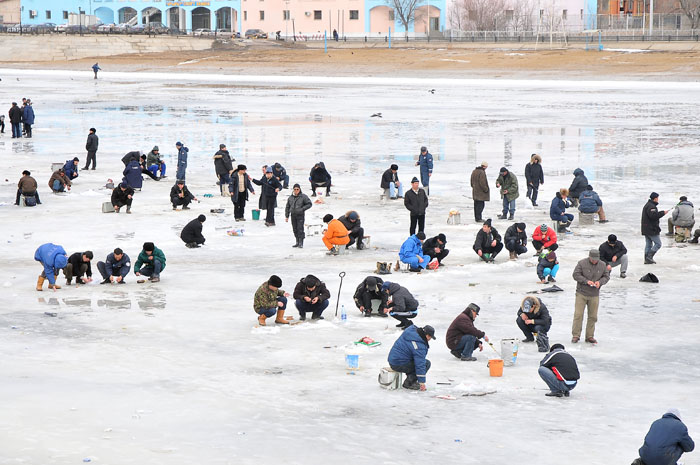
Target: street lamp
[(20, 19), (80, 19)]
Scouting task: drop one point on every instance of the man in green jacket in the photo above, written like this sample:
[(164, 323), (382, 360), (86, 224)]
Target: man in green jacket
[(508, 183), (270, 299), (150, 263)]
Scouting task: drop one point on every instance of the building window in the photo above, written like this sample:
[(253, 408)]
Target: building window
[(285, 15), (65, 14), (509, 15), (245, 16), (33, 14), (564, 14), (391, 15), (318, 14), (48, 14), (541, 14), (262, 15), (354, 14)]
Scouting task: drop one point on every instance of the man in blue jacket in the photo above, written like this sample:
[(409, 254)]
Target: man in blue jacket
[(71, 168), (181, 161), (28, 117), (589, 202), (666, 441), (115, 268), (425, 161), (412, 254), (408, 356), (53, 258)]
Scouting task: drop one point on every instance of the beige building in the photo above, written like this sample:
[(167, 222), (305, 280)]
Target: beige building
[(9, 11)]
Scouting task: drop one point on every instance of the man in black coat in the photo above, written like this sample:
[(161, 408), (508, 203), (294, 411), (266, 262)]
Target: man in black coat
[(238, 188), (351, 221), (223, 164), (534, 176), (368, 290), (416, 202), (533, 317), (318, 177), (435, 248), (390, 180), (516, 240), (614, 253), (181, 195), (91, 147), (191, 234), (15, 114), (559, 370), (77, 266), (650, 227), (270, 187), (311, 295), (488, 242), (578, 185), (122, 195), (130, 156), (281, 175)]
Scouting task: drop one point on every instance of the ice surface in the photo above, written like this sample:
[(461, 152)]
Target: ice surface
[(176, 373)]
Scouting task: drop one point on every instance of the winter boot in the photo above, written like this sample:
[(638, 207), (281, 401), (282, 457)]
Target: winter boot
[(512, 216), (512, 255), (352, 242), (297, 243), (368, 313), (316, 316), (261, 319), (128, 209), (40, 283), (502, 217), (280, 318), (301, 243), (456, 353), (550, 279), (542, 342)]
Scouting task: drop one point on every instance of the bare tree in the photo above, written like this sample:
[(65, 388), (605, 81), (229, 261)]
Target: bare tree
[(405, 10), (482, 14), (691, 8)]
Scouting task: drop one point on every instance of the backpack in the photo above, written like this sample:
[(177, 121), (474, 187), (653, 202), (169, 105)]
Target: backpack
[(383, 268), (649, 278)]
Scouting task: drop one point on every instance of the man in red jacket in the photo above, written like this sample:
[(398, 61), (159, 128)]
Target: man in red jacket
[(462, 337), (544, 237)]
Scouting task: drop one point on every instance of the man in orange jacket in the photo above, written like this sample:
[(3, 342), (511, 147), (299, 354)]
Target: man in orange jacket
[(335, 235)]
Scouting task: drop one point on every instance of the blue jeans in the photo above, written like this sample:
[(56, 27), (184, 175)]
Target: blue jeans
[(555, 385), (16, 131), (551, 271), (154, 169), (154, 270), (467, 344), (57, 186), (317, 308), (653, 244), (180, 175), (270, 312), (508, 206), (564, 218), (393, 189)]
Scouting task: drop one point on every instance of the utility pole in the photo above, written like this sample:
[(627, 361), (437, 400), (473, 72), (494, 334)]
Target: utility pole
[(651, 16)]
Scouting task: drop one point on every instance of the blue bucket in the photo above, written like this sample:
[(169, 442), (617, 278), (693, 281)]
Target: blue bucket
[(352, 361)]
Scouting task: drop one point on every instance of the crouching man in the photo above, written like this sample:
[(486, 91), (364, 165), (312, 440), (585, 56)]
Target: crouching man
[(77, 266), (151, 262), (53, 258), (115, 268), (311, 295), (533, 317), (559, 370), (400, 304), (270, 300), (666, 441), (122, 195), (463, 337), (408, 355), (370, 289)]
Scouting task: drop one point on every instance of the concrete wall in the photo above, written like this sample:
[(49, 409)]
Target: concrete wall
[(34, 48)]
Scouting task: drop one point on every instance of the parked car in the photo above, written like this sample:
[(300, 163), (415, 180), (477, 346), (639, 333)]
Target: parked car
[(13, 27), (105, 28), (203, 32), (156, 28), (61, 27), (42, 28), (255, 34), (136, 29)]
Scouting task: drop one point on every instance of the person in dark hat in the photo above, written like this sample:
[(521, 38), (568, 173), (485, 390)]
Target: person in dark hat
[(416, 202), (311, 296), (578, 185), (27, 187), (356, 233), (144, 168), (589, 202), (223, 165), (547, 268), (533, 317), (650, 227), (559, 370), (151, 262), (408, 355), (614, 253), (335, 235), (515, 240), (435, 248), (481, 193), (508, 183), (425, 161), (297, 204), (181, 161), (534, 176), (590, 275), (91, 146), (390, 181), (683, 217), (488, 242), (238, 188), (270, 300), (412, 253), (270, 188), (320, 177), (122, 195), (369, 290), (462, 337), (400, 304), (181, 195), (155, 164), (191, 234)]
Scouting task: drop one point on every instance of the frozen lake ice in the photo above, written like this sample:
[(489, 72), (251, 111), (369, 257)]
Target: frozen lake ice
[(176, 373)]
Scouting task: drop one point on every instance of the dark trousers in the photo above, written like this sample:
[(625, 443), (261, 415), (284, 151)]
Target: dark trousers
[(417, 219), (542, 338), (28, 129), (239, 206), (404, 317), (439, 256), (69, 272), (121, 271), (517, 247), (539, 244), (366, 301), (121, 204), (148, 173), (479, 209), (270, 209), (20, 194), (184, 201), (2, 125), (314, 185), (298, 227), (356, 237), (316, 309), (91, 157), (410, 370), (493, 250), (16, 131), (532, 192)]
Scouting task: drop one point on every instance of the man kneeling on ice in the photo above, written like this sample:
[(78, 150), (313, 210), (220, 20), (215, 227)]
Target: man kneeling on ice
[(559, 370), (400, 304), (311, 295), (462, 336), (270, 300), (411, 253), (408, 356)]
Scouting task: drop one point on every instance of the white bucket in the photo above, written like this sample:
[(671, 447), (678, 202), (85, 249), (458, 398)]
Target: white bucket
[(509, 351)]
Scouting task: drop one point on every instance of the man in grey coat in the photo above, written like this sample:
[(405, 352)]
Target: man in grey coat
[(683, 216), (590, 274), (480, 190), (297, 204)]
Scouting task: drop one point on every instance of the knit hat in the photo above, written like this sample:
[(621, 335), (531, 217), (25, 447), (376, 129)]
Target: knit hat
[(557, 346), (295, 186), (415, 179), (473, 306), (612, 238), (222, 146), (242, 167), (386, 285), (178, 144), (353, 216), (394, 167), (503, 170), (488, 222), (544, 227), (76, 159), (327, 218), (420, 235), (268, 169), (594, 254), (683, 198), (551, 256), (275, 281), (155, 149), (653, 195), (442, 238), (429, 331), (589, 187), (520, 226), (148, 246), (202, 218), (123, 185)]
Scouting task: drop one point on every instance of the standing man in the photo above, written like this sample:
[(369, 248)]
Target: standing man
[(650, 227), (95, 69), (28, 118), (425, 161), (238, 189), (270, 188), (15, 114), (666, 441), (408, 355), (27, 186), (590, 274), (480, 190), (508, 183), (534, 176), (151, 262), (181, 161), (390, 180), (488, 242), (559, 370), (462, 336), (416, 202), (91, 146), (223, 164), (115, 267), (614, 253)]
